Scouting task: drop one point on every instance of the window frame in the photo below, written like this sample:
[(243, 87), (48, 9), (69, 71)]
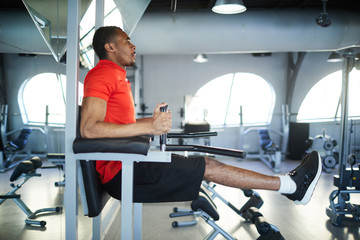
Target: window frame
[(24, 110)]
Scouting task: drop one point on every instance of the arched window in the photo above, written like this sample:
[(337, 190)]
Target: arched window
[(322, 103), (218, 102), (45, 90)]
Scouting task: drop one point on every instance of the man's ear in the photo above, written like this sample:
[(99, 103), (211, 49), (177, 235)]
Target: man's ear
[(108, 47)]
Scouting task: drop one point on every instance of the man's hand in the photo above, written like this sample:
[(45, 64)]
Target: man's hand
[(161, 121)]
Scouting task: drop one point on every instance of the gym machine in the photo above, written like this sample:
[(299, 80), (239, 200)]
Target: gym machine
[(13, 149), (325, 145), (26, 170), (348, 180), (269, 152)]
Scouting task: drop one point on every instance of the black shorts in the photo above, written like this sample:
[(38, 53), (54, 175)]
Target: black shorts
[(177, 181)]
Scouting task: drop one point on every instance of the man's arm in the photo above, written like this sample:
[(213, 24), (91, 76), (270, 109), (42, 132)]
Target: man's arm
[(147, 119), (92, 123)]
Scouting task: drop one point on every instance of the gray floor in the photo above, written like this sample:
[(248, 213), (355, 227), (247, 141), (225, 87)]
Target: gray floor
[(294, 222)]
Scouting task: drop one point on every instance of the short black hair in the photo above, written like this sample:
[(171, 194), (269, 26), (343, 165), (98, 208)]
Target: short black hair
[(102, 36)]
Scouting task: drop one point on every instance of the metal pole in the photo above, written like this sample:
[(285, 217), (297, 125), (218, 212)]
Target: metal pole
[(344, 122), (72, 74)]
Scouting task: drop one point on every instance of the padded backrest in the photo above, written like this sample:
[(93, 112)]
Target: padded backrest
[(22, 139), (265, 140), (96, 196)]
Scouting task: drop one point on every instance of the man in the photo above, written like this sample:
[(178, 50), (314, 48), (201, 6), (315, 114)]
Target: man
[(108, 112)]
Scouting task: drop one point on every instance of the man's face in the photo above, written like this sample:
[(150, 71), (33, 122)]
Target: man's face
[(123, 50)]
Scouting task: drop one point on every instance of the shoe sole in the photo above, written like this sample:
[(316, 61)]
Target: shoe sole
[(312, 186)]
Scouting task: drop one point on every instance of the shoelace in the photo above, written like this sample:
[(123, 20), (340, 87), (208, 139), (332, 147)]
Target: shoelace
[(306, 181)]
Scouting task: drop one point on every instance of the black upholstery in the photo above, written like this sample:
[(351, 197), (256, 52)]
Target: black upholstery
[(205, 203), (201, 127), (20, 142), (96, 196), (26, 166), (57, 156), (138, 145)]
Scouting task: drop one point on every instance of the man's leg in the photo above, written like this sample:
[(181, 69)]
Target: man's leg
[(231, 176), (298, 185)]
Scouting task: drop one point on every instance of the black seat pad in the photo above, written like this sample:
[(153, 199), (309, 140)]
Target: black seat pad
[(137, 145)]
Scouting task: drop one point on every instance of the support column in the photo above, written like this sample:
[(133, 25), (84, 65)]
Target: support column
[(72, 74)]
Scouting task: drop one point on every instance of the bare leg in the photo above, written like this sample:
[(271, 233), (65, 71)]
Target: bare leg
[(231, 176)]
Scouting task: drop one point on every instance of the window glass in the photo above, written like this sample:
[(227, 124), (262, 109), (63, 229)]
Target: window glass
[(43, 93), (112, 17), (322, 103), (218, 102)]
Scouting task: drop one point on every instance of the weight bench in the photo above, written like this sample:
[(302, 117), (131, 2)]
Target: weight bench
[(12, 148), (269, 151), (27, 169)]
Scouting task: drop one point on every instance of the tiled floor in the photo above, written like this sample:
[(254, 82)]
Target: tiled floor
[(294, 222)]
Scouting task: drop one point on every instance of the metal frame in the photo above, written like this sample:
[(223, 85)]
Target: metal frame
[(129, 229)]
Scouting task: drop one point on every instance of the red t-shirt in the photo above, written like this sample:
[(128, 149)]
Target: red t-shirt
[(108, 81)]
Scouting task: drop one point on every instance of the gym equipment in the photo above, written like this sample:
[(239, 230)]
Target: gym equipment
[(128, 150), (10, 150), (324, 145), (269, 152), (26, 170), (93, 197), (58, 159), (192, 128), (163, 137), (347, 181), (205, 208)]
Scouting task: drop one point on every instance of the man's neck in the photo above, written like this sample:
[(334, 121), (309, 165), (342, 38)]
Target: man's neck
[(114, 61)]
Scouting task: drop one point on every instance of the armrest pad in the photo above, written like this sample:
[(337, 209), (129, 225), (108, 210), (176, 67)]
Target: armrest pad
[(137, 145)]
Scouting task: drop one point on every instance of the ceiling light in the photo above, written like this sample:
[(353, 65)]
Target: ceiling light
[(200, 58), (323, 19), (229, 7), (335, 57)]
